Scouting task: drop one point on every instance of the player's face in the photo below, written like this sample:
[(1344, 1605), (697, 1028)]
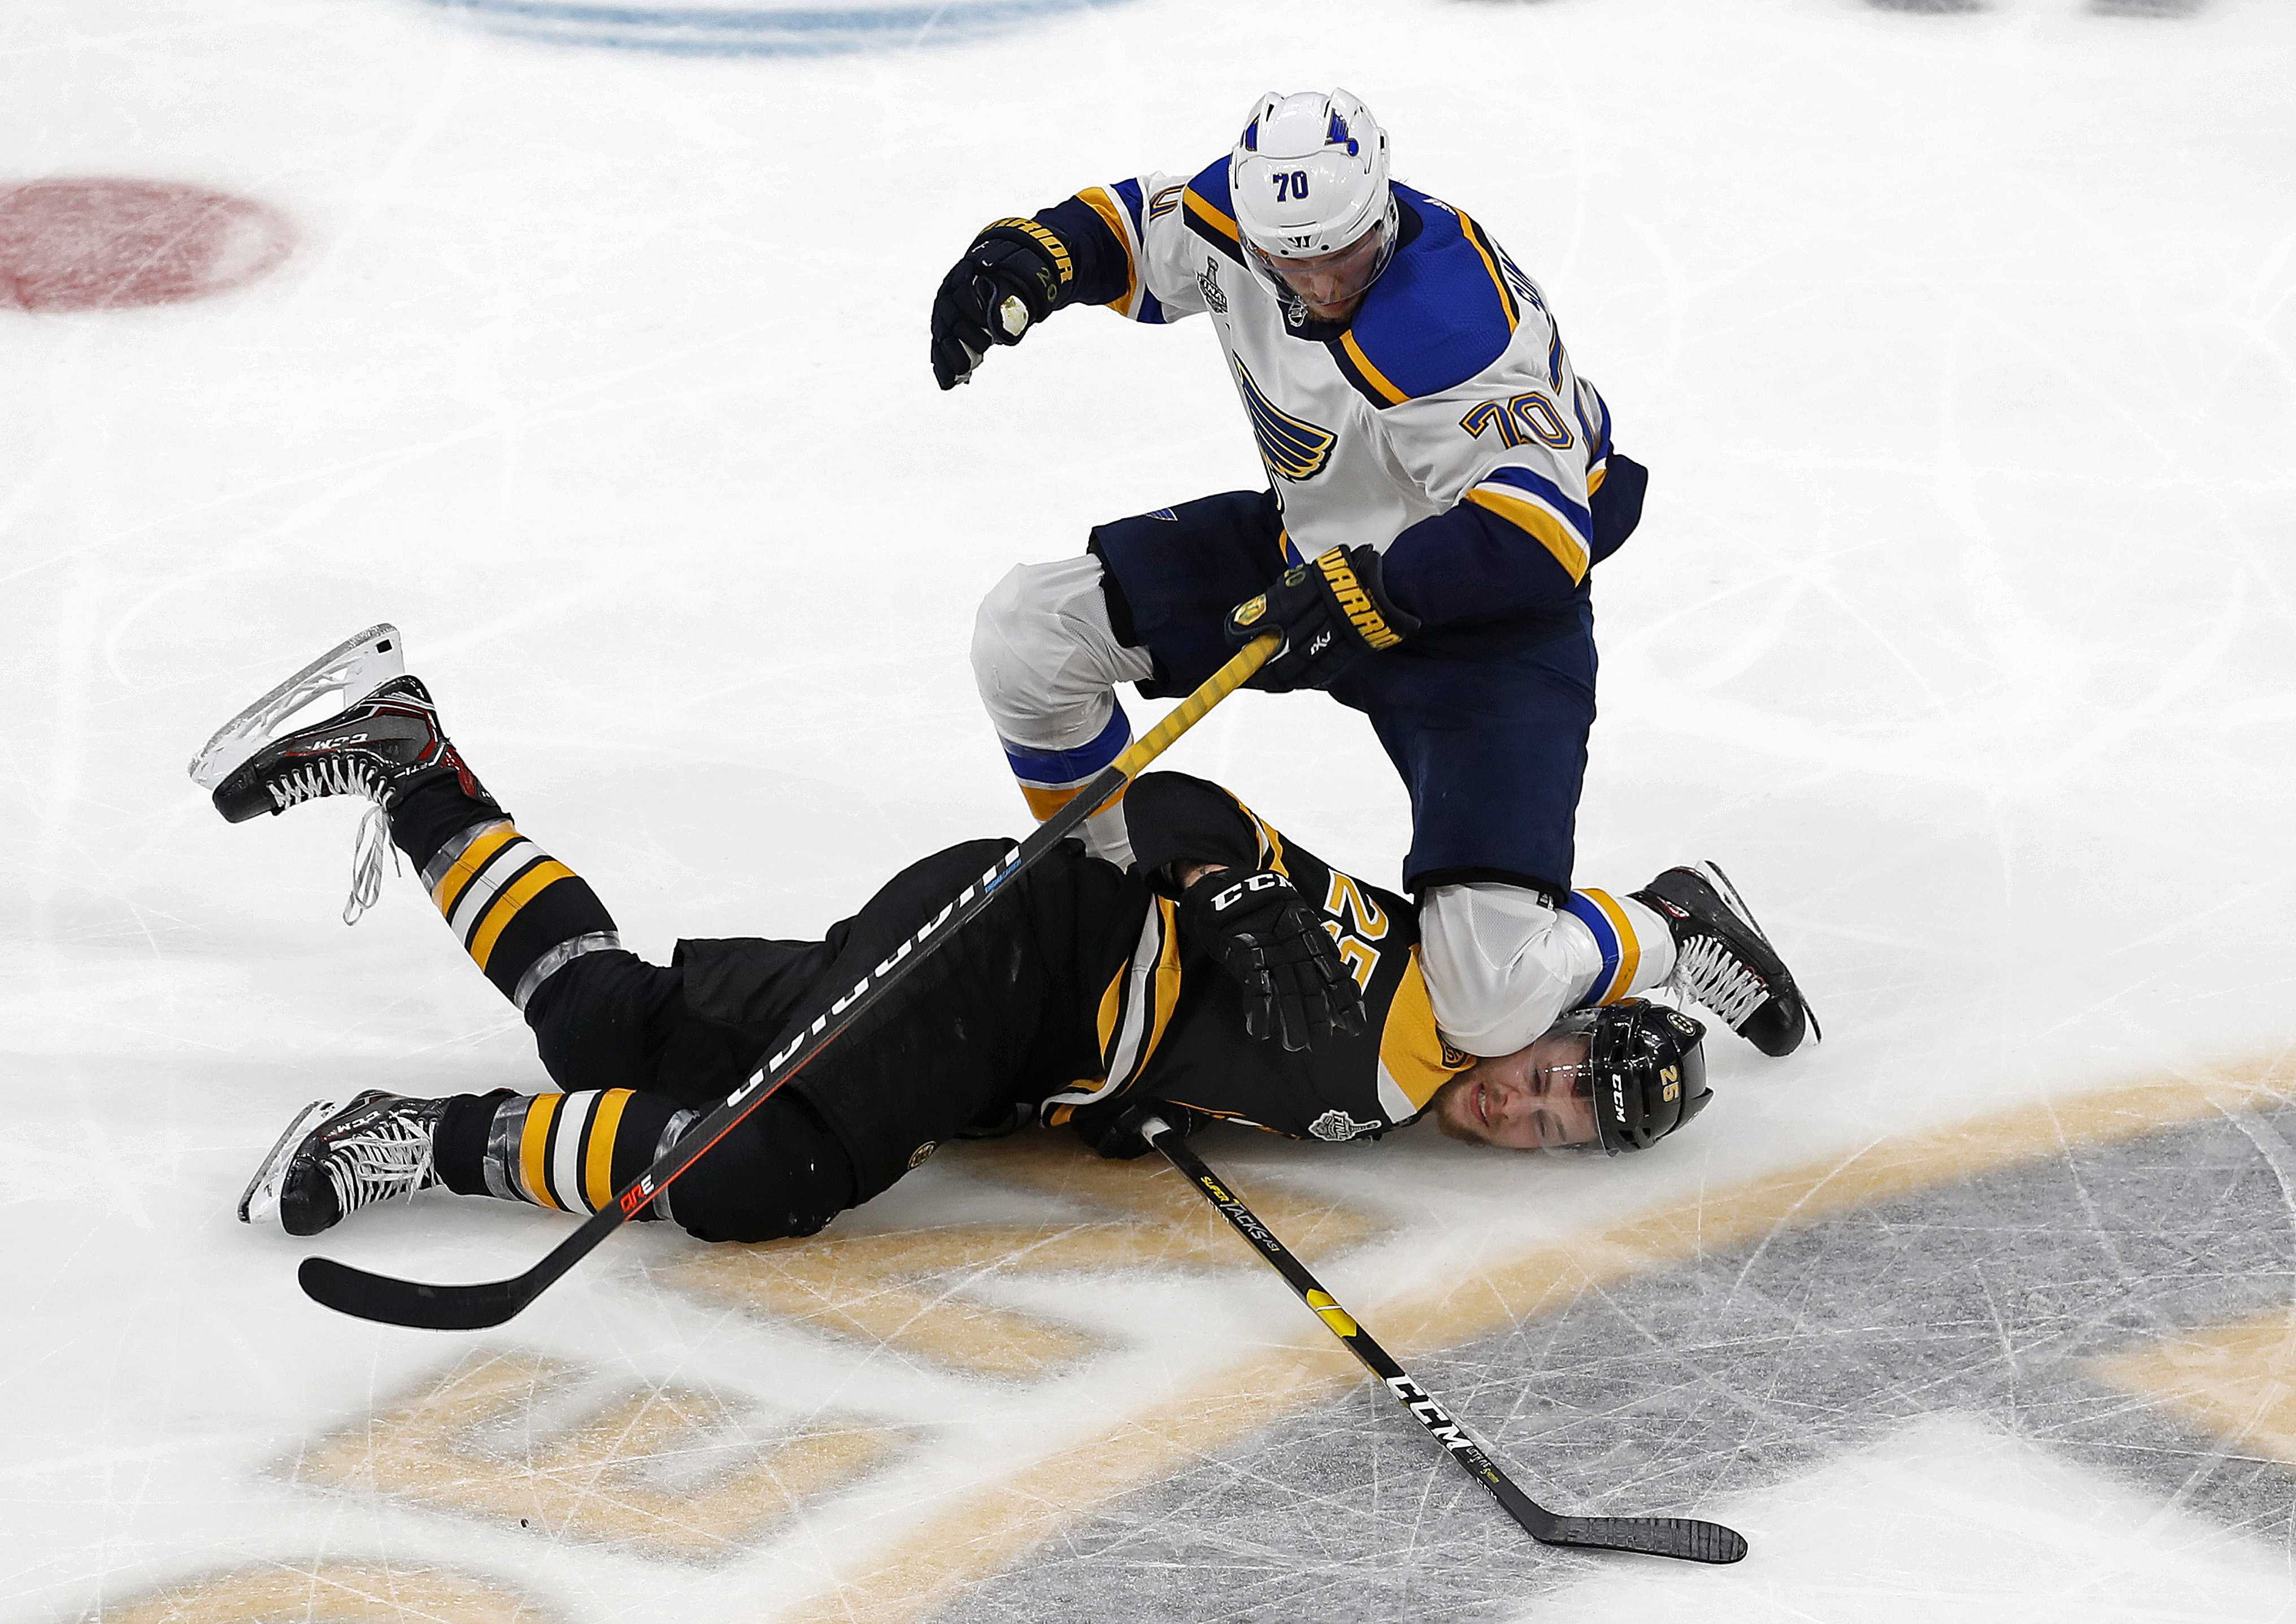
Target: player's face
[(1536, 1098), (1331, 285)]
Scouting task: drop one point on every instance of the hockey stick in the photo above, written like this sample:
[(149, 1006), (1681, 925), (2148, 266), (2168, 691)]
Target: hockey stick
[(472, 1308), (1685, 1537)]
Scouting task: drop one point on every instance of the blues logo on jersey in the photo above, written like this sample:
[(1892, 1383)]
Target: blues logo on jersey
[(1292, 449)]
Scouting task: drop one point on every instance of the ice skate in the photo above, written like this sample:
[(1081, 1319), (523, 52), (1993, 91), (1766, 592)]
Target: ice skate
[(355, 669), (383, 741), (330, 1162), (1723, 960)]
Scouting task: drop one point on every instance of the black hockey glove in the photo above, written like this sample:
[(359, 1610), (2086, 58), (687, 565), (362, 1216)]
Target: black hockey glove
[(1295, 984), (1331, 610), (1014, 260), (1114, 1130)]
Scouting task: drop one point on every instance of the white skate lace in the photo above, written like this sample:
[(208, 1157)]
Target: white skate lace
[(366, 862), (331, 775), (346, 775), (1707, 971), (391, 1156)]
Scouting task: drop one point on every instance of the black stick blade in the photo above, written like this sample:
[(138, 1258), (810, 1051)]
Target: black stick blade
[(409, 1302), (1684, 1537)]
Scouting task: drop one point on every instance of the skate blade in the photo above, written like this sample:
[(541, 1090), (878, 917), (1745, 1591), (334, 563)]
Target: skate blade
[(1737, 905), (355, 667), (1711, 873), (259, 1202)]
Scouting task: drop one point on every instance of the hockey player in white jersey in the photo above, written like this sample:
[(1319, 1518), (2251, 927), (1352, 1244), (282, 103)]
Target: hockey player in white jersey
[(1440, 484)]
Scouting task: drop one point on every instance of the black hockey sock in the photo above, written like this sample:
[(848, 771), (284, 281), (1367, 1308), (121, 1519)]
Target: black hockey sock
[(520, 912), (458, 1145), (434, 812), (567, 1151)]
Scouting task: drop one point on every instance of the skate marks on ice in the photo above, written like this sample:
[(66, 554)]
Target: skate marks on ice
[(2102, 8), (98, 243), (533, 1444), (515, 1438), (824, 27), (758, 28), (2097, 1277), (921, 1293), (331, 1593), (1993, 1270)]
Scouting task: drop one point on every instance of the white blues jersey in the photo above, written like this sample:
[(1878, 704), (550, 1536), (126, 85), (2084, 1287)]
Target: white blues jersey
[(1448, 387)]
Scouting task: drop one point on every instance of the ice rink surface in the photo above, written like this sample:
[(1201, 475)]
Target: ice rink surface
[(587, 344)]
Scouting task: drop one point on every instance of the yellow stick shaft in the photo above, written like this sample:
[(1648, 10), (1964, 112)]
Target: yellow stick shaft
[(1192, 709)]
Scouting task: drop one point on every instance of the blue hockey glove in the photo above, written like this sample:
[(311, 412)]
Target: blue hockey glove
[(1009, 280), (1331, 610)]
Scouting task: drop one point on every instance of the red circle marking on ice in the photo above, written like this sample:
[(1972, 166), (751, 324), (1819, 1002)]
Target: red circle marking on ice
[(99, 244)]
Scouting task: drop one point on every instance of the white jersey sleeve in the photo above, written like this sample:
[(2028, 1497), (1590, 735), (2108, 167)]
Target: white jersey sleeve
[(1143, 214), (1503, 964)]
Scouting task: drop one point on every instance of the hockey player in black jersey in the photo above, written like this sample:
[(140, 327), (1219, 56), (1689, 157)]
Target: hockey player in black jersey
[(1230, 975)]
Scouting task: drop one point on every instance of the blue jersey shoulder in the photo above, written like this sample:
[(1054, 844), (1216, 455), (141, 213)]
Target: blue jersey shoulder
[(1210, 184), (1442, 312), (1209, 211)]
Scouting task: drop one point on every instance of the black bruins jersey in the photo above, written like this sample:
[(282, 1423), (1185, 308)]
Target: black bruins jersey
[(1170, 1021)]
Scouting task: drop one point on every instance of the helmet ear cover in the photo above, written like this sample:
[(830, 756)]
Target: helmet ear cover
[(1648, 1067)]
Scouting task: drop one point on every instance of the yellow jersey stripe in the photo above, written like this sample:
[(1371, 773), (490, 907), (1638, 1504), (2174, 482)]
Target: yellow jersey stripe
[(1411, 1051), (1211, 217), (1111, 1005), (1271, 844), (1596, 475), (598, 1169), (1097, 199), (1542, 522), (455, 880), (534, 1142), (548, 872), (1474, 236), (1371, 374), (1166, 982)]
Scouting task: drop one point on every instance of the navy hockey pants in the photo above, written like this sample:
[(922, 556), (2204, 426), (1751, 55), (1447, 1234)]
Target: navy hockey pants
[(1486, 723)]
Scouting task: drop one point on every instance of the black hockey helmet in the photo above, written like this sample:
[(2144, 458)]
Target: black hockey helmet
[(1647, 1067)]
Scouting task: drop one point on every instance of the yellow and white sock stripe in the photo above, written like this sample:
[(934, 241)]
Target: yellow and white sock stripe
[(489, 875), (556, 1149), (480, 889)]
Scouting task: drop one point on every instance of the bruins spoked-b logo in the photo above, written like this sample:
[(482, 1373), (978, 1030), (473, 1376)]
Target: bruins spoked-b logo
[(1291, 449)]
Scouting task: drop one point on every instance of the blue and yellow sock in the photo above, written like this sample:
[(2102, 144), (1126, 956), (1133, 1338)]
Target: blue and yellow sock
[(1050, 779), (1636, 948)]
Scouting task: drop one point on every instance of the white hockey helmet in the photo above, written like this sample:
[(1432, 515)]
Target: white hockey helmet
[(1309, 181)]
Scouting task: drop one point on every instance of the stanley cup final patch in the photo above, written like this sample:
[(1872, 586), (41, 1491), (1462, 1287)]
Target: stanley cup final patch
[(1336, 1125)]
